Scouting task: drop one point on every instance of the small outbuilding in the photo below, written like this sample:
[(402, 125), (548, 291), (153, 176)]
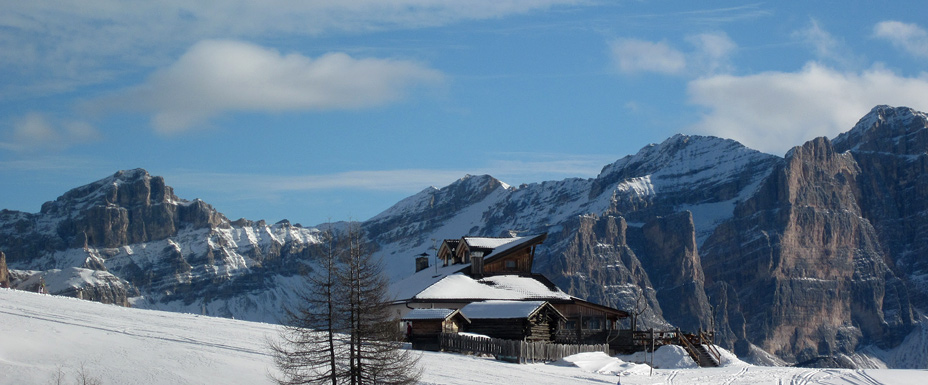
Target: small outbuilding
[(423, 326), (514, 320)]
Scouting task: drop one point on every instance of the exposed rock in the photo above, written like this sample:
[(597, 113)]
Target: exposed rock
[(810, 266), (4, 271), (92, 285), (128, 234), (675, 269), (728, 321), (816, 254), (890, 146), (594, 261), (129, 207)]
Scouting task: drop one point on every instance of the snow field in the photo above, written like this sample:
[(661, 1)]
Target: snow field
[(40, 334)]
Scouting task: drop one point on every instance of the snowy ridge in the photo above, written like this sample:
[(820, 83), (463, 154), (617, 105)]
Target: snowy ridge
[(895, 125), (702, 174), (414, 203), (671, 170), (682, 161)]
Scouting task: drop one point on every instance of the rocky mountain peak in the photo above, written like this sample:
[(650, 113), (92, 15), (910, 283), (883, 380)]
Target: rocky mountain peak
[(130, 206), (678, 150), (126, 188), (683, 161), (470, 189), (886, 129)]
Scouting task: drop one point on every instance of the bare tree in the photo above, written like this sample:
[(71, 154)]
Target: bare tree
[(83, 377), (309, 350), (376, 356), (342, 332)]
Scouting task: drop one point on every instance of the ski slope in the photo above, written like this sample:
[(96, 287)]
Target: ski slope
[(42, 336)]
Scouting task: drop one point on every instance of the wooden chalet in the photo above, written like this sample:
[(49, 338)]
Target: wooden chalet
[(476, 269), (491, 256), (485, 285), (514, 320), (423, 326)]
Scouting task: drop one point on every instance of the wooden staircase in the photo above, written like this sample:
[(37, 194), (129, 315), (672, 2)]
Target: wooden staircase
[(700, 349), (704, 358)]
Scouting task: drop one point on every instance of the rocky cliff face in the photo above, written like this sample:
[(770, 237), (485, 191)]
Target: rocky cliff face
[(4, 272), (814, 254), (818, 253), (801, 253), (676, 269), (128, 239), (890, 146), (595, 262)]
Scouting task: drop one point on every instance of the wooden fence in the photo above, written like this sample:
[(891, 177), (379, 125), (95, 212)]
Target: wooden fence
[(514, 350)]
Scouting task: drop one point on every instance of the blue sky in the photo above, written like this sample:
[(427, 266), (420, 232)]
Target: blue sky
[(333, 109)]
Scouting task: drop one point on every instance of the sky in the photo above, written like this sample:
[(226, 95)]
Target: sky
[(323, 110)]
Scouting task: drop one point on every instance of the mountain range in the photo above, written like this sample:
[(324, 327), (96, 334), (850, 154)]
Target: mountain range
[(819, 253)]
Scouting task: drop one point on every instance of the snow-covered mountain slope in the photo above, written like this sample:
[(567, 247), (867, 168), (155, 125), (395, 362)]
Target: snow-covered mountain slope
[(703, 175), (832, 233), (825, 244), (128, 239), (50, 338)]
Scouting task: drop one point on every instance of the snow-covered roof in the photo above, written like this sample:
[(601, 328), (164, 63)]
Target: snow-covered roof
[(428, 314), (498, 287), (500, 246), (408, 287), (490, 243), (501, 309)]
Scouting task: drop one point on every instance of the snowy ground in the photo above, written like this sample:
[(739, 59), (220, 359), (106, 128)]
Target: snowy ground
[(41, 336)]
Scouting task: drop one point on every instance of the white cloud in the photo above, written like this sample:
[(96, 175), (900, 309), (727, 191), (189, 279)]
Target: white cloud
[(49, 47), (909, 37), (217, 76), (37, 131), (825, 46), (633, 55), (774, 111), (710, 55), (712, 52)]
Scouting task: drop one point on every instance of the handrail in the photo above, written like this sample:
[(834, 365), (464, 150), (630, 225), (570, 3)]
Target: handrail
[(713, 350), (688, 346)]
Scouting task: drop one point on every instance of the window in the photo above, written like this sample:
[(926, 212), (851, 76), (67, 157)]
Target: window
[(593, 324), (510, 265)]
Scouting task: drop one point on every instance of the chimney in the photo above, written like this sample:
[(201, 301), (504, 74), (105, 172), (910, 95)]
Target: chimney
[(422, 262)]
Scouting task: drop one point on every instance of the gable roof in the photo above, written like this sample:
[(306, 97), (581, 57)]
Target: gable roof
[(432, 314), (500, 247), (489, 242), (505, 309), (463, 288)]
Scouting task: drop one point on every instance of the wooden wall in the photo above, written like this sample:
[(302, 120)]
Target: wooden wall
[(541, 327), (522, 259)]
